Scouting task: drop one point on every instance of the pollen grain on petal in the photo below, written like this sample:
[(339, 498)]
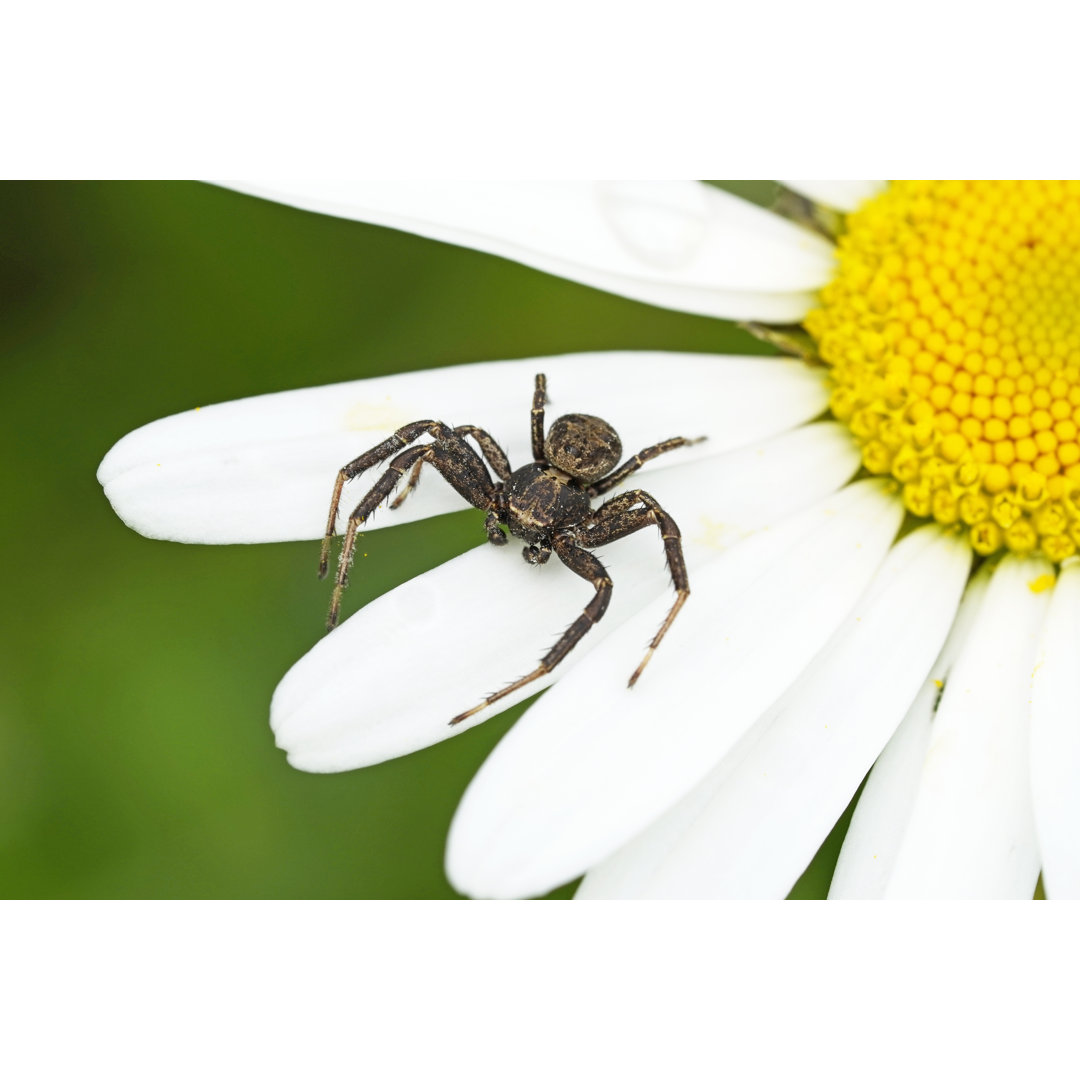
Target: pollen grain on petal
[(375, 416), (1042, 583), (952, 334)]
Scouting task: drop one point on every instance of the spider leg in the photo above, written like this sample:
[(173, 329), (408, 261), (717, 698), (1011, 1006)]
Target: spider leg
[(459, 465), (492, 451), (537, 427), (400, 439), (370, 501), (410, 485), (585, 565), (616, 519), (633, 464), (495, 535)]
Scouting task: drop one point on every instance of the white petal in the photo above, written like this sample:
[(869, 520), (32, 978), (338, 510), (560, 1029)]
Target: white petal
[(846, 195), (330, 714), (1055, 740), (593, 762), (263, 468), (972, 832), (751, 830), (677, 244), (719, 501), (877, 827), (872, 841)]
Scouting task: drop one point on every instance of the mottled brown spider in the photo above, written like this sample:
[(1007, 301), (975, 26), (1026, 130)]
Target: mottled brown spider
[(547, 504)]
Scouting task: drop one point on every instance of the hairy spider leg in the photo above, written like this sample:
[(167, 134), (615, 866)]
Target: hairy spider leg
[(459, 465), (400, 439), (616, 519), (632, 465), (370, 501), (537, 427), (410, 485), (495, 535), (585, 565), (491, 450)]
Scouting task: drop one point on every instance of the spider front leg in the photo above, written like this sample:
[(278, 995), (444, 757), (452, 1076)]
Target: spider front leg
[(400, 439), (618, 518), (459, 465), (585, 565), (370, 501), (410, 485), (495, 535), (492, 451)]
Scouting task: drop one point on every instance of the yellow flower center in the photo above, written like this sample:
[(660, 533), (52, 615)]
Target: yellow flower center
[(952, 329)]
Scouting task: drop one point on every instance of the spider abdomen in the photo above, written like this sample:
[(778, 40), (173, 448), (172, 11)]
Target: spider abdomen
[(540, 501)]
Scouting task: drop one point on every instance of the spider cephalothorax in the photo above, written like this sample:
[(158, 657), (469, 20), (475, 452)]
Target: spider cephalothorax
[(548, 504)]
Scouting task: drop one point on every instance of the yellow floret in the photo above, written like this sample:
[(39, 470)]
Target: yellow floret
[(952, 334)]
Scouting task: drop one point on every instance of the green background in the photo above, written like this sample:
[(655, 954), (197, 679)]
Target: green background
[(135, 676)]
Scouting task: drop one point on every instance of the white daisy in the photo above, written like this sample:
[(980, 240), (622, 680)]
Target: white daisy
[(825, 632)]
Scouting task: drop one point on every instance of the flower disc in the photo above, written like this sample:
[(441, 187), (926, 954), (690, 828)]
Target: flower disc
[(952, 331)]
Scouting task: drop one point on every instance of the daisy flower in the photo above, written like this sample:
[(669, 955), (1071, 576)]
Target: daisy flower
[(879, 533)]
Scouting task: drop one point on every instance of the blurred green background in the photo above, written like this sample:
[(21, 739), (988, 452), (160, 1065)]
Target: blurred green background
[(135, 676)]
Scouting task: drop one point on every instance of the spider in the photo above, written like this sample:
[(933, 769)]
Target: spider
[(546, 504)]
